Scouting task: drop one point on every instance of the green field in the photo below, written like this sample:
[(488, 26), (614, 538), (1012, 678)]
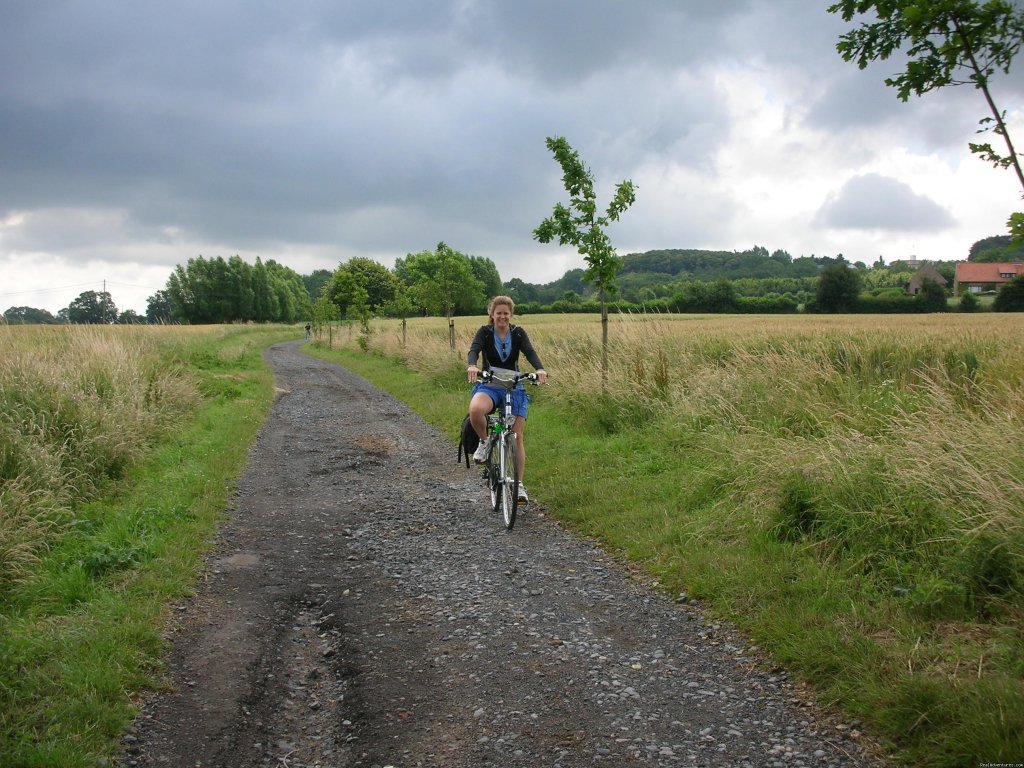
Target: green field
[(849, 490)]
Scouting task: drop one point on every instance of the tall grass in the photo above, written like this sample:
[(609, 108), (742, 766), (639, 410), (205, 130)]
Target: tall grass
[(120, 446), (77, 408), (849, 488)]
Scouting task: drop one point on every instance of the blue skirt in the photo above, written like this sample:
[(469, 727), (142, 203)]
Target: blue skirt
[(520, 400)]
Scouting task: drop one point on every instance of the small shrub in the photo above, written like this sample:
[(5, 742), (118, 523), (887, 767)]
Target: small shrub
[(969, 302), (106, 558), (1011, 296)]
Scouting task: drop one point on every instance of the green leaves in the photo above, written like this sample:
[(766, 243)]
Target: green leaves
[(1016, 225), (948, 42), (579, 224), (441, 280)]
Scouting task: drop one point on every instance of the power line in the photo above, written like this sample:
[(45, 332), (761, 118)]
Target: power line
[(55, 289), (132, 285)]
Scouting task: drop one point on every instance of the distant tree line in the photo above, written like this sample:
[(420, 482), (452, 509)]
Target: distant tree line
[(446, 282), (695, 281), (88, 308)]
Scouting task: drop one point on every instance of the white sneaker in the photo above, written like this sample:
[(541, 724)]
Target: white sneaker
[(523, 498), (481, 452)]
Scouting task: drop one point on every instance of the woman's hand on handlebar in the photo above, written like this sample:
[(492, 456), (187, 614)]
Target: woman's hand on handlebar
[(471, 373), (542, 376)]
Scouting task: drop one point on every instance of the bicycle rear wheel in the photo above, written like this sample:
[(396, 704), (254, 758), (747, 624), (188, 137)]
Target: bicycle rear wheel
[(509, 479)]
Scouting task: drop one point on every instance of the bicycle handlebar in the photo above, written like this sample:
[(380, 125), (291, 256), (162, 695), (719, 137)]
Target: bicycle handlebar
[(487, 376)]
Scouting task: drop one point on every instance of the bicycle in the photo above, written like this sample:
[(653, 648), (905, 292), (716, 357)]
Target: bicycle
[(501, 469)]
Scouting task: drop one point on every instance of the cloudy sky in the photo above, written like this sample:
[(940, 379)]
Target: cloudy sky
[(134, 136)]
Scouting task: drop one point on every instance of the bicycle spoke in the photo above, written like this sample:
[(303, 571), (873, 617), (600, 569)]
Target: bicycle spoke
[(509, 480)]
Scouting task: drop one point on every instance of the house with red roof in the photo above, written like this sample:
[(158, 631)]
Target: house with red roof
[(978, 277)]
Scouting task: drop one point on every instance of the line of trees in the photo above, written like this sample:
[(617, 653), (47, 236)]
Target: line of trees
[(88, 308), (216, 290), (447, 282)]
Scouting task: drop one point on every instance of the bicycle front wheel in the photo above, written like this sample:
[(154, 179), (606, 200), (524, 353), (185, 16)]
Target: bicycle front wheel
[(494, 473), (509, 479)]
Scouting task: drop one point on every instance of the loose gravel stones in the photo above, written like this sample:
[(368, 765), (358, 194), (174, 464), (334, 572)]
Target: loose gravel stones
[(363, 608)]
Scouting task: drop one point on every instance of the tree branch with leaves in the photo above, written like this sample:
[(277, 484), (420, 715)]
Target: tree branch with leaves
[(949, 42), (579, 225)]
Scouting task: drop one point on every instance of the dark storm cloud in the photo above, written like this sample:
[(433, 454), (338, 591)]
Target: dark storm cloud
[(249, 121), (383, 127), (876, 202)]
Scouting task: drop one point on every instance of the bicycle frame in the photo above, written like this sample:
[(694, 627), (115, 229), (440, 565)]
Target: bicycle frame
[(502, 465)]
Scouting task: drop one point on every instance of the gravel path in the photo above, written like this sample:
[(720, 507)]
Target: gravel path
[(362, 608)]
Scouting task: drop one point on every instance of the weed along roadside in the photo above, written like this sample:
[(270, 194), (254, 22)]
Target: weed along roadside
[(846, 489), (120, 447)]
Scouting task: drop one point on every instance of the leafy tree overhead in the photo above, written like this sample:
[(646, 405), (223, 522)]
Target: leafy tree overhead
[(92, 308), (949, 42), (579, 224), (28, 316), (952, 42)]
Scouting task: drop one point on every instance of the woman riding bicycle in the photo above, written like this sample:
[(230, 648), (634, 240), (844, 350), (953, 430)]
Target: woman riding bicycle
[(500, 342)]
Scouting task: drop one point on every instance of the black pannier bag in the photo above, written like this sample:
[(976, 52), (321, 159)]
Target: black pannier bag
[(468, 441)]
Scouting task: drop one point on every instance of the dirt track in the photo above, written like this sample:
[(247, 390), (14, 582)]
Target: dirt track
[(363, 609)]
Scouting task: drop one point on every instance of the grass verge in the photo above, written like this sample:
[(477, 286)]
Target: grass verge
[(82, 635)]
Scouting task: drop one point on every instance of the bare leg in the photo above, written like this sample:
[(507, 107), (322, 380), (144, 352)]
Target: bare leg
[(520, 447), (479, 407)]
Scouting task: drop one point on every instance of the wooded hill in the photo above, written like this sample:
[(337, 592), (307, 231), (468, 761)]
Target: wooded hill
[(661, 273)]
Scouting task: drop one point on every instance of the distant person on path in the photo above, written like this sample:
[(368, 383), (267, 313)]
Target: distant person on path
[(500, 343), (307, 330)]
